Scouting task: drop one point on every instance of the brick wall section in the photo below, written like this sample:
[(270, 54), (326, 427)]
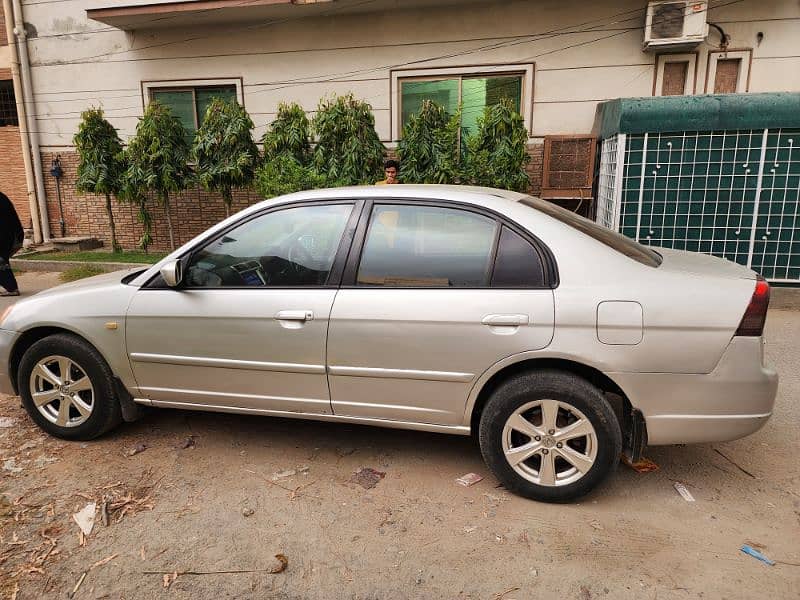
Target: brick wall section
[(192, 212), (3, 36), (534, 167), (12, 173)]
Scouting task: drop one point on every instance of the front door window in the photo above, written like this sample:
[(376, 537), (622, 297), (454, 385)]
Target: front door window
[(293, 247)]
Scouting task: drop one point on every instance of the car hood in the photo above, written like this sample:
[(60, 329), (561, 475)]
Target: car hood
[(90, 283), (702, 264)]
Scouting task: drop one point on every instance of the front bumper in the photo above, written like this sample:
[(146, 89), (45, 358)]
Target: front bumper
[(734, 400), (7, 340)]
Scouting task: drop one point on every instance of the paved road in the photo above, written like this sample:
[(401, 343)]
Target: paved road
[(415, 535)]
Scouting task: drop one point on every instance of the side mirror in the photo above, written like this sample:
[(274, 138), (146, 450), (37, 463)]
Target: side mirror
[(172, 273)]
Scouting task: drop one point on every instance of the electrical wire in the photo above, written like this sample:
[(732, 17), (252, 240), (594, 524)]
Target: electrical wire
[(217, 32), (305, 80), (525, 39)]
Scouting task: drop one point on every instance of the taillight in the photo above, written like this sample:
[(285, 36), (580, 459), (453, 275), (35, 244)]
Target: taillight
[(753, 320)]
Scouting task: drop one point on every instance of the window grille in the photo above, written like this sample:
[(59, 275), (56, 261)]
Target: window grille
[(8, 104)]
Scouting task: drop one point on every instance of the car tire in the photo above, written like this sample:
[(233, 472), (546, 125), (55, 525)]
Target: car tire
[(579, 438), (82, 406)]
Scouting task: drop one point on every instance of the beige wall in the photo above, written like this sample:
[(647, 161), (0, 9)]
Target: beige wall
[(78, 63)]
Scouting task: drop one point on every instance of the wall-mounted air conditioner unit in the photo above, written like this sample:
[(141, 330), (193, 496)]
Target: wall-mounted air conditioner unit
[(675, 24)]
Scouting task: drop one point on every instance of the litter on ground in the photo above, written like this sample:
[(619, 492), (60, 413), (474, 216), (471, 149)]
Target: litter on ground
[(643, 465), (469, 479), (749, 550), (85, 518), (685, 494), (367, 478)]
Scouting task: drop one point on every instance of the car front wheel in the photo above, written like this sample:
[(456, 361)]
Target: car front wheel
[(68, 388), (549, 435)]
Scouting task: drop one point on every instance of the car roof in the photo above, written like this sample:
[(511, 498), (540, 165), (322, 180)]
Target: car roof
[(478, 196), (462, 193)]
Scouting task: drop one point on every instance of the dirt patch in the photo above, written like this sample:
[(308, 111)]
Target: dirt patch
[(214, 498)]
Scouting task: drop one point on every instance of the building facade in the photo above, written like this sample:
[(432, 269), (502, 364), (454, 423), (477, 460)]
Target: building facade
[(556, 59), (12, 166)]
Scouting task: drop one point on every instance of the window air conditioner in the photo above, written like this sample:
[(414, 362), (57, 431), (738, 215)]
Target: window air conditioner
[(675, 24)]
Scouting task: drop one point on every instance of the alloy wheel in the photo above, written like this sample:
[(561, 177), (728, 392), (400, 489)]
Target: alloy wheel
[(549, 442), (61, 391)]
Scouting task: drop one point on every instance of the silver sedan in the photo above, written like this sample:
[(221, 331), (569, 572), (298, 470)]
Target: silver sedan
[(559, 344)]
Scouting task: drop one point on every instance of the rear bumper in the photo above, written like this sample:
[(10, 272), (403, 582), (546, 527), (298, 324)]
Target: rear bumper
[(732, 401), (7, 339)]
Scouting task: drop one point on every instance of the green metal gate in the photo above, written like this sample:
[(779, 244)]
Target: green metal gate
[(718, 174), (734, 194)]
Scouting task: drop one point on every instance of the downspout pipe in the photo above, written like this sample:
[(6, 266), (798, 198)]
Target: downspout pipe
[(30, 184), (33, 135)]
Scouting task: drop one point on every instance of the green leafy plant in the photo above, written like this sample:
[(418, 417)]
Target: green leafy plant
[(429, 149), (284, 175), (224, 150), (496, 153), (157, 158), (289, 133), (348, 150), (100, 162), (287, 155)]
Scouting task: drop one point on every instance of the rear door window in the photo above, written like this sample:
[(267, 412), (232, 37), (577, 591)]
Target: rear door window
[(426, 246)]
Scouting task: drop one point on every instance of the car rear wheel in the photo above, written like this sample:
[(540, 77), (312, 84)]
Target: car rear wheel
[(549, 435), (68, 388)]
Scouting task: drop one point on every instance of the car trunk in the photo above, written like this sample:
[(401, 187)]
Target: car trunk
[(702, 264)]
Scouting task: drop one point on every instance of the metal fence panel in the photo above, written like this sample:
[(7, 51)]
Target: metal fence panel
[(607, 183), (776, 247), (733, 194)]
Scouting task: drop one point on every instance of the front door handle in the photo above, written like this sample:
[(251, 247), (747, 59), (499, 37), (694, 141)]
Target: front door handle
[(294, 315), (505, 320)]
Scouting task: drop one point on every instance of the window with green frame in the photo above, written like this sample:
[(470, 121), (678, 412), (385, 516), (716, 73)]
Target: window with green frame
[(189, 104), (474, 93)]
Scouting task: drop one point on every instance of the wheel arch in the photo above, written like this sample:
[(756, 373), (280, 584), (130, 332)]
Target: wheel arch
[(29, 337), (491, 380)]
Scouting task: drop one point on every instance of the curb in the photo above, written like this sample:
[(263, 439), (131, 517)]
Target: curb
[(57, 266)]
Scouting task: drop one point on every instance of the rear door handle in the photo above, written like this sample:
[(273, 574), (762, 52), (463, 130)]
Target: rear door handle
[(294, 315), (505, 320)]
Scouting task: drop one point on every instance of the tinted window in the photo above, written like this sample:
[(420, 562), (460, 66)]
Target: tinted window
[(426, 246), (612, 239), (517, 264), (190, 104), (291, 247), (469, 96)]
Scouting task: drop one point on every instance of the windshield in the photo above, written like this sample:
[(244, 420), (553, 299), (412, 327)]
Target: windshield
[(612, 239)]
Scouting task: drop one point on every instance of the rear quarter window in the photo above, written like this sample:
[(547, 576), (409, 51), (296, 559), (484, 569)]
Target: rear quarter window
[(612, 239)]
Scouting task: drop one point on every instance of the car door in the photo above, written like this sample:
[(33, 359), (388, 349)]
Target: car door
[(433, 295), (247, 327)]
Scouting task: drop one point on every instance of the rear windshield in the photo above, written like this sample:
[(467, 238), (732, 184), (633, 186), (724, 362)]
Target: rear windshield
[(612, 239)]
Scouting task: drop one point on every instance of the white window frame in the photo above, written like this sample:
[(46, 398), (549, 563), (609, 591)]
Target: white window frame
[(148, 87), (525, 69), (744, 56), (690, 86)]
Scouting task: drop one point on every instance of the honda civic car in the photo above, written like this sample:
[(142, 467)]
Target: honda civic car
[(559, 344)]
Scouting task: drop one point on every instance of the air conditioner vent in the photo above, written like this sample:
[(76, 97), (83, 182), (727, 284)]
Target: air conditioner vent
[(675, 24), (668, 20)]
